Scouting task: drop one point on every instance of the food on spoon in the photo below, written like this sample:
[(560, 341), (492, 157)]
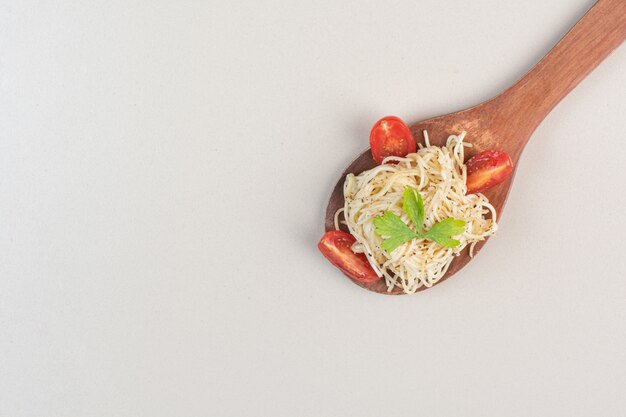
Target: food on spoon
[(390, 136), (403, 253), (411, 215), (336, 246), (487, 169)]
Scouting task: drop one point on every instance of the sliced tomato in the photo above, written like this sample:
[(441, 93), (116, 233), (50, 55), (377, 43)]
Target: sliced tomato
[(390, 136), (336, 246), (487, 169)]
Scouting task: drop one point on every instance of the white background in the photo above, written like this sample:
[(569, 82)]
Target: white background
[(164, 169)]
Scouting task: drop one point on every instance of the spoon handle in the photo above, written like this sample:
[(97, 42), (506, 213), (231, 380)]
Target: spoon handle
[(589, 42)]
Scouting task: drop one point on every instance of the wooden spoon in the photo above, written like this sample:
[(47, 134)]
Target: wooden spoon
[(507, 121)]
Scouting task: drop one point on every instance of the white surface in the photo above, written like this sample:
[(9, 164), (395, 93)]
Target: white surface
[(164, 168)]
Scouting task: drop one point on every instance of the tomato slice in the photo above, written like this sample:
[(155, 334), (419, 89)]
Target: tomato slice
[(336, 246), (487, 169), (390, 136)]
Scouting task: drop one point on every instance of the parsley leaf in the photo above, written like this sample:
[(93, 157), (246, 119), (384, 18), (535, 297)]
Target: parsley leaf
[(391, 225), (443, 231), (414, 207), (397, 232)]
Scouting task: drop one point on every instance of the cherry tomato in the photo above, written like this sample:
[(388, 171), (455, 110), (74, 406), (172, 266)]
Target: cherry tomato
[(336, 247), (486, 169), (390, 136)]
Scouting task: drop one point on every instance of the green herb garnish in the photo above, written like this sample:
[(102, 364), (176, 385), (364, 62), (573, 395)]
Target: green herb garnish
[(397, 232)]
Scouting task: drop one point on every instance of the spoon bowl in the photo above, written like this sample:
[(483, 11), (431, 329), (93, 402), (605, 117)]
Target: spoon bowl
[(507, 121)]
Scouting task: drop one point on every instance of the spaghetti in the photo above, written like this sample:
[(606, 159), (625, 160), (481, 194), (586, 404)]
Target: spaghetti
[(439, 174)]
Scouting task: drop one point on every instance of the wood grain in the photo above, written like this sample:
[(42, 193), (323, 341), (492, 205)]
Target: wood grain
[(507, 121)]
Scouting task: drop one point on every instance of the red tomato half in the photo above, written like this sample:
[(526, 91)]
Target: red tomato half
[(390, 136), (487, 169), (336, 247)]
